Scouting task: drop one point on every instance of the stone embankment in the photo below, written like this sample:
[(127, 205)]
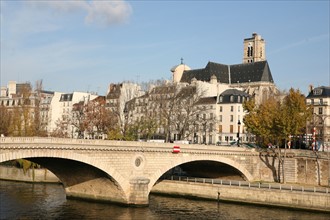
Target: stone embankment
[(272, 197), (31, 175), (262, 196)]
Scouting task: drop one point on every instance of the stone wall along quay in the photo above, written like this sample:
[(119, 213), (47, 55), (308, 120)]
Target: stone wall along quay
[(283, 198), (31, 175)]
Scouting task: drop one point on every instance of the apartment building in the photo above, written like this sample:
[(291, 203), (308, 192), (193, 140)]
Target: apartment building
[(319, 125)]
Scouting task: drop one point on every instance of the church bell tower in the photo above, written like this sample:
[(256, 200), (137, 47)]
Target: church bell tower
[(254, 49)]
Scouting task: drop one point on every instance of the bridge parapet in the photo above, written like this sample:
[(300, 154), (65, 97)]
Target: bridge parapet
[(107, 145)]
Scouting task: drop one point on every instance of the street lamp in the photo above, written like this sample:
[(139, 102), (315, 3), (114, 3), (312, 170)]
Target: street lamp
[(238, 128)]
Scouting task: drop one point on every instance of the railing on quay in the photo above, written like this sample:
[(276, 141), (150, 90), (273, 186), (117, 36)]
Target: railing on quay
[(251, 184)]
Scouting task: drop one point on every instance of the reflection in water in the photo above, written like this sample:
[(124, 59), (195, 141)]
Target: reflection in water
[(47, 201)]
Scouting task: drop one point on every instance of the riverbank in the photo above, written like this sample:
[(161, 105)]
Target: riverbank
[(270, 197), (30, 175)]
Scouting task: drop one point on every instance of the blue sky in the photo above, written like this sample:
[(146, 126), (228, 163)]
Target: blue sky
[(86, 45)]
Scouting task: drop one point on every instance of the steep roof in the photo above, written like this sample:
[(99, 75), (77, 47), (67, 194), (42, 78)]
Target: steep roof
[(242, 73), (233, 96), (207, 101), (319, 92)]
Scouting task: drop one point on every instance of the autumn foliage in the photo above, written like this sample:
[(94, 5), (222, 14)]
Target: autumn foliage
[(275, 119)]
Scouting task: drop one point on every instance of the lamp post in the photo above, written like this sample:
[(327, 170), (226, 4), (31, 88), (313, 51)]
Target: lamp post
[(238, 128)]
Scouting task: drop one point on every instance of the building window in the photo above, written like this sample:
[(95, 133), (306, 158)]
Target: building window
[(220, 129), (321, 101), (249, 51), (210, 139), (211, 115), (312, 101), (231, 128), (231, 118), (320, 111), (231, 108), (239, 108), (231, 98), (220, 118), (220, 108), (211, 127), (238, 99), (220, 99)]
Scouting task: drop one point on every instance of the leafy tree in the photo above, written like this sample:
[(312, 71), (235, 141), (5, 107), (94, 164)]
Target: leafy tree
[(291, 119), (276, 120)]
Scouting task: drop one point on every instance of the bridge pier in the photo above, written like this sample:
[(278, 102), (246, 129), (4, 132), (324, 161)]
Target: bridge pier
[(139, 193), (100, 189)]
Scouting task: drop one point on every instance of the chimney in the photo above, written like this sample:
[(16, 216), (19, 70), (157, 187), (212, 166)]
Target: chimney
[(310, 88)]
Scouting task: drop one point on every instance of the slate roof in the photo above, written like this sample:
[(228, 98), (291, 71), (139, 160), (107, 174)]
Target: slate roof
[(47, 92), (242, 73), (319, 92), (234, 93), (207, 101)]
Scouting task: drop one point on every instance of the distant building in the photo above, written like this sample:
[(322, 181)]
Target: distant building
[(319, 99), (178, 70), (61, 109), (45, 109), (253, 75), (205, 125), (21, 102), (221, 90), (118, 95), (230, 116)]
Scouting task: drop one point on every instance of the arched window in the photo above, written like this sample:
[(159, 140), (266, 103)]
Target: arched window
[(249, 50)]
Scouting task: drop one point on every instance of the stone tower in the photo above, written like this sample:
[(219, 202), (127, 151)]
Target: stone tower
[(254, 49)]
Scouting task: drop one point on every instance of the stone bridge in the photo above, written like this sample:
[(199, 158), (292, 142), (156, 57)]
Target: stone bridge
[(125, 172)]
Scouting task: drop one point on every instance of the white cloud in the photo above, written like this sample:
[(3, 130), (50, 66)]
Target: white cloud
[(102, 13)]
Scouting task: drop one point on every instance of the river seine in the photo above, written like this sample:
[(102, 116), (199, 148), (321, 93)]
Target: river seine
[(47, 201)]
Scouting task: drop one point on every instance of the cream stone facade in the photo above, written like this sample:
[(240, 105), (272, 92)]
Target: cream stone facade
[(319, 99), (61, 108)]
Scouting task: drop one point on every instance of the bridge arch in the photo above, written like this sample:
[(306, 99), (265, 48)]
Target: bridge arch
[(122, 185), (181, 161)]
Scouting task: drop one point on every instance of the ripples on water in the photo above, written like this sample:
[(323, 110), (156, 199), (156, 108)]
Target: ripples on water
[(47, 201)]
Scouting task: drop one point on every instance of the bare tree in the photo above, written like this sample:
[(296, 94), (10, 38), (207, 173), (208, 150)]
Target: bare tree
[(5, 120)]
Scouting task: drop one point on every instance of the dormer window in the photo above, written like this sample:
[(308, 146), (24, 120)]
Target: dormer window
[(231, 98), (220, 99), (317, 91)]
